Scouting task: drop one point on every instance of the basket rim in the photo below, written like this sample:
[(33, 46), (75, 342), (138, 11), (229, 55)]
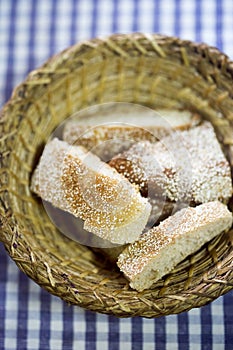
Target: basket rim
[(57, 59)]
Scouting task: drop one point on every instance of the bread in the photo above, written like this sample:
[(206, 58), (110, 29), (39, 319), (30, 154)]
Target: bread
[(78, 182), (107, 135), (187, 166), (160, 249)]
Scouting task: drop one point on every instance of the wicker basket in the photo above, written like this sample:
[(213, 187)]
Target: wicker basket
[(155, 71)]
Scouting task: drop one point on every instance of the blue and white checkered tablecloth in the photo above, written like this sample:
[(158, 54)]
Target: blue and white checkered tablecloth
[(30, 32)]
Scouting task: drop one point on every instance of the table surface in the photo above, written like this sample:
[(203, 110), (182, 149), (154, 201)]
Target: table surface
[(30, 32)]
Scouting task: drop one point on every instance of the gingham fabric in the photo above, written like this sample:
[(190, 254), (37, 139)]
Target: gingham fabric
[(30, 32)]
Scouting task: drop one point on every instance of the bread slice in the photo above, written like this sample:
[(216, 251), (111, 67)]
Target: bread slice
[(77, 181), (159, 250), (107, 135), (185, 166)]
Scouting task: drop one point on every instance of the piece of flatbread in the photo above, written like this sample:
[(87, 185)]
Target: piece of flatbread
[(160, 249), (108, 135), (78, 182)]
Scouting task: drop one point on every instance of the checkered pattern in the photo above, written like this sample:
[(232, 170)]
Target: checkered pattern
[(30, 32)]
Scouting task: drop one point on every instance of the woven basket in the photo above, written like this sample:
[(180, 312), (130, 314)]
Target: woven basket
[(155, 71)]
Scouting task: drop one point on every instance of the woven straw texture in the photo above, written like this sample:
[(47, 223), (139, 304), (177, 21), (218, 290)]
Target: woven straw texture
[(155, 71)]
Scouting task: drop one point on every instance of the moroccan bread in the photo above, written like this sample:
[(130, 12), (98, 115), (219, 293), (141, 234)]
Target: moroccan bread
[(106, 136), (78, 182), (160, 249), (187, 165)]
